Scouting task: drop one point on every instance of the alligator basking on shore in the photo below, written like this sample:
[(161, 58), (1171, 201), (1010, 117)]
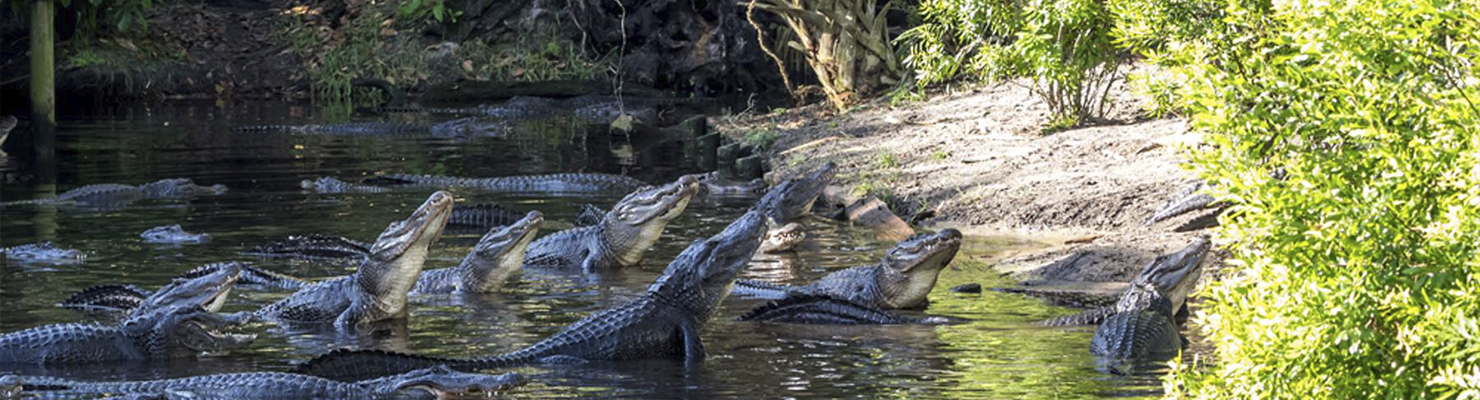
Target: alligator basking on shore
[(378, 290), (1174, 275), (663, 323), (174, 332), (425, 384), (113, 194), (457, 128), (44, 252), (622, 237), (903, 279)]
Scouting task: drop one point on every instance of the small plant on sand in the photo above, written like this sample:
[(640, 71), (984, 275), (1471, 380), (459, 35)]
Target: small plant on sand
[(939, 155), (888, 161), (761, 138)]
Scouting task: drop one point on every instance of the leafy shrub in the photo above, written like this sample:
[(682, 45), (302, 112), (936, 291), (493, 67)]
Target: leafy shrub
[(1063, 45), (96, 17), (1346, 135), (428, 11)]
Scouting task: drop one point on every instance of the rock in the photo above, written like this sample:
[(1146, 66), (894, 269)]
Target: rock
[(968, 288)]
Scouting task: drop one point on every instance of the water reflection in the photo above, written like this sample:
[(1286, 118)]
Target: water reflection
[(998, 353)]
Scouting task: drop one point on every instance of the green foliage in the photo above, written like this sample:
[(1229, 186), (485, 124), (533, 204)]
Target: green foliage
[(888, 161), (1345, 133), (95, 18), (1064, 46), (761, 138), (428, 11), (846, 42)]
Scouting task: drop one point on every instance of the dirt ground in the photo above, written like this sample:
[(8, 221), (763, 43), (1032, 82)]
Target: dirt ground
[(976, 160)]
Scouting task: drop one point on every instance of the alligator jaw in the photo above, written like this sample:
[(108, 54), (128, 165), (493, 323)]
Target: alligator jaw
[(397, 257), (638, 220), (445, 383), (912, 266), (208, 291), (500, 253), (1174, 275)]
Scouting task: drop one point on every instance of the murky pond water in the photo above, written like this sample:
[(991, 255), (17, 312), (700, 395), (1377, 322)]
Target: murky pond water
[(998, 354)]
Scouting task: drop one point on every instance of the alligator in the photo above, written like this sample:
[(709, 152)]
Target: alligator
[(483, 216), (377, 291), (428, 383), (713, 184), (173, 234), (589, 215), (1174, 275), (198, 284), (623, 236), (827, 310), (1142, 328), (517, 107), (113, 194), (457, 128), (44, 252), (173, 332), (1190, 199), (799, 196), (591, 108), (903, 279), (563, 183), (207, 288), (313, 247), (329, 184), (498, 255), (664, 323)]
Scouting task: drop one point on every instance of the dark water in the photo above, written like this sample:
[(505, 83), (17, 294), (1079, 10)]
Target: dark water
[(999, 354)]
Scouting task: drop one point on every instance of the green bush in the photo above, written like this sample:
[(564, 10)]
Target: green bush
[(1345, 133), (1064, 46), (96, 17)]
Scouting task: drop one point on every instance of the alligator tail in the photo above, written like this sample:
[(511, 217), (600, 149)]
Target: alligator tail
[(764, 290), (357, 365), (1090, 317), (266, 128), (485, 215)]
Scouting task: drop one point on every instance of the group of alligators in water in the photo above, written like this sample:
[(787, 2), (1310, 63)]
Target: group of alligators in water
[(179, 320), (493, 120)]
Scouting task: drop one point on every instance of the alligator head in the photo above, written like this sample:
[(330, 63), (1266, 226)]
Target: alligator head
[(441, 382), (397, 256), (1174, 275), (703, 274), (205, 286), (184, 331), (636, 222), (499, 253), (797, 195), (172, 234), (179, 187), (329, 184), (712, 184), (784, 238), (910, 268), (472, 127)]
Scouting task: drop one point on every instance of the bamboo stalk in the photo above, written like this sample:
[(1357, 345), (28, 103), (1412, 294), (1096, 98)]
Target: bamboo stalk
[(43, 64)]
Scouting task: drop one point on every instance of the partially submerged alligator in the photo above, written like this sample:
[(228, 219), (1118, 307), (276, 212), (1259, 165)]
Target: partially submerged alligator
[(827, 310), (713, 184), (563, 183), (799, 195), (314, 247), (172, 234), (665, 322), (205, 286), (622, 237), (378, 290), (596, 109), (457, 128), (903, 279), (498, 255), (427, 383), (1174, 275), (113, 194), (783, 238), (174, 332), (44, 252)]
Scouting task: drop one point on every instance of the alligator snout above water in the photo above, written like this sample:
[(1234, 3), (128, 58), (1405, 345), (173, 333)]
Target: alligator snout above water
[(173, 234), (903, 279), (378, 290), (663, 323), (113, 195), (623, 235)]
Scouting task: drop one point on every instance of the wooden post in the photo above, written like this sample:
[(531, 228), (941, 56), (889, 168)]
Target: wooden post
[(43, 65)]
